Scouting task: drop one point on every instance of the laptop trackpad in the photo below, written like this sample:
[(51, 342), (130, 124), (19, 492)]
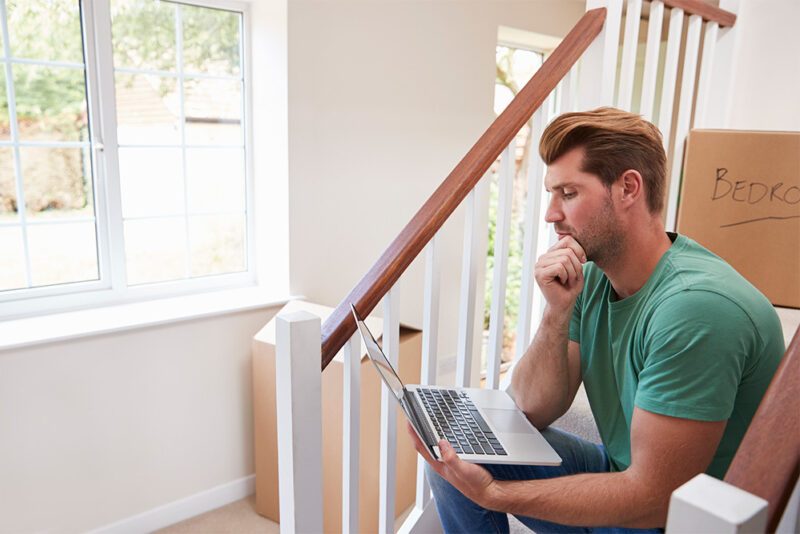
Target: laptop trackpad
[(507, 421)]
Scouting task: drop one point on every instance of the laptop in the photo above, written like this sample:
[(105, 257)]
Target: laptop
[(483, 425)]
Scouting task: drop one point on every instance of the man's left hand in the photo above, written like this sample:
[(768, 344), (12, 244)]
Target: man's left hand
[(475, 482)]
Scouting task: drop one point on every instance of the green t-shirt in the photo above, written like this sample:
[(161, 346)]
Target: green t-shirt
[(697, 341)]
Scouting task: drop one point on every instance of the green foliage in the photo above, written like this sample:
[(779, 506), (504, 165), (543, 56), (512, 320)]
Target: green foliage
[(45, 30), (212, 41), (143, 37), (51, 99)]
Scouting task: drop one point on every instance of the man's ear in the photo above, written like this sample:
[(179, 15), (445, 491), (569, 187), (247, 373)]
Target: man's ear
[(631, 187)]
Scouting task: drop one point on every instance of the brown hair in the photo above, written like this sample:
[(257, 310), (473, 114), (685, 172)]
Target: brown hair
[(614, 141)]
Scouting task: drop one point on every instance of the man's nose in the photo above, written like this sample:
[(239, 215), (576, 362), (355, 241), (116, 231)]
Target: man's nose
[(553, 212)]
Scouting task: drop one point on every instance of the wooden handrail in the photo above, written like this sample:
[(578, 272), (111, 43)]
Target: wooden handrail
[(705, 10), (443, 202), (767, 462)]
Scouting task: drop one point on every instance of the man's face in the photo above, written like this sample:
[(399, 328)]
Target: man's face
[(582, 207)]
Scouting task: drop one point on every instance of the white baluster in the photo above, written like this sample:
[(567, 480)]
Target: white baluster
[(533, 218), (351, 433), (569, 89), (651, 54), (706, 504), (502, 238), (670, 74), (631, 43), (430, 331), (388, 455), (719, 110), (685, 102), (706, 70), (424, 518), (298, 395), (599, 62), (469, 278)]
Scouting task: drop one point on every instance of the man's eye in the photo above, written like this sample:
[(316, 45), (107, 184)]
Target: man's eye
[(568, 195)]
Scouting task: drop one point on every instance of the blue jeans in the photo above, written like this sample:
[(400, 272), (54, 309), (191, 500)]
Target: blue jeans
[(459, 514)]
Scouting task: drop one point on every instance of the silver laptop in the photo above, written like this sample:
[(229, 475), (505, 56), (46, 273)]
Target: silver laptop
[(482, 425)]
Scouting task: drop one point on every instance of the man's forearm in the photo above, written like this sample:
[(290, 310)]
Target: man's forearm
[(541, 379), (606, 499)]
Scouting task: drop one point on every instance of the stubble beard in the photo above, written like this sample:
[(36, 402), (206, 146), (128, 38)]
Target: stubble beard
[(603, 238)]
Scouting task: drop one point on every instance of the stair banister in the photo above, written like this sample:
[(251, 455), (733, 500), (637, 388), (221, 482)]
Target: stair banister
[(708, 12), (767, 463), (413, 238)]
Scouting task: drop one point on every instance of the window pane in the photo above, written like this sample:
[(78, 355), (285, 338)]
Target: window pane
[(57, 182), (210, 41), (62, 253), (217, 244), (143, 35), (215, 179), (152, 181), (48, 30), (213, 111), (12, 275), (8, 186), (148, 109), (51, 103), (5, 125), (155, 249)]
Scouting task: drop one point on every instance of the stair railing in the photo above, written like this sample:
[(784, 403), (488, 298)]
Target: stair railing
[(584, 84)]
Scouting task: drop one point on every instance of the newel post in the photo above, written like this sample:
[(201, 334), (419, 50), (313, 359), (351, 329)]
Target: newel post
[(705, 504), (298, 391)]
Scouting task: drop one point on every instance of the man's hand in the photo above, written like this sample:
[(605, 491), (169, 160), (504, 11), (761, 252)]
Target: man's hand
[(559, 273), (475, 482)]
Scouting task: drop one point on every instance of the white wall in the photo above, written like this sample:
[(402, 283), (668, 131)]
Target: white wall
[(384, 99), (766, 70), (98, 429)]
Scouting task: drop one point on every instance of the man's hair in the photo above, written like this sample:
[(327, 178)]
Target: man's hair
[(614, 141)]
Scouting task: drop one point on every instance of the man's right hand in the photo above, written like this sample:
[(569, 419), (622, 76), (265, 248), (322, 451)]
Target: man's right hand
[(559, 273)]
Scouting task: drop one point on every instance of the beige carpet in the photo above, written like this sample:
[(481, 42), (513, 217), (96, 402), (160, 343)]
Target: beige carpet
[(239, 517)]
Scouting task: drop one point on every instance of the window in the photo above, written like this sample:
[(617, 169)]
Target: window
[(122, 151)]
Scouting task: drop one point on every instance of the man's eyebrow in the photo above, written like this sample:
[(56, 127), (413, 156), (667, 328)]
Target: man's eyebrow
[(561, 185)]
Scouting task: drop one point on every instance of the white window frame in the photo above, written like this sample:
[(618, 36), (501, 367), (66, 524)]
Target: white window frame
[(111, 287)]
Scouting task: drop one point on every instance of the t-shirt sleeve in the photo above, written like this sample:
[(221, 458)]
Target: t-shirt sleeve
[(695, 351)]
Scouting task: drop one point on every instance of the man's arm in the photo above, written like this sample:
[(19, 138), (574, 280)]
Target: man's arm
[(665, 453), (547, 377)]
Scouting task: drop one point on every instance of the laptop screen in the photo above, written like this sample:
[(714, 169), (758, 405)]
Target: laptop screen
[(380, 361)]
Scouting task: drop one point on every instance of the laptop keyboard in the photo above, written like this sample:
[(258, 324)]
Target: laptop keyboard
[(456, 419)]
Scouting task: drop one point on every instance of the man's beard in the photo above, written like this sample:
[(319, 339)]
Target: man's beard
[(602, 238)]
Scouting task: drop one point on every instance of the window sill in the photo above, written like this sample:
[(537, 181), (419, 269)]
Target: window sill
[(16, 333)]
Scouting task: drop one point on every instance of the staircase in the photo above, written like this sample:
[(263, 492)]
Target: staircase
[(590, 68)]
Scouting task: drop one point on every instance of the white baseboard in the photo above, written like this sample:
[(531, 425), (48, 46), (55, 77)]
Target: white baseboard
[(182, 509)]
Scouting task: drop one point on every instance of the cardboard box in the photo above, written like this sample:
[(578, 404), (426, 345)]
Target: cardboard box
[(266, 444), (740, 198)]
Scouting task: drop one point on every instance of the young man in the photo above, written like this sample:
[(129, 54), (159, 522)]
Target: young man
[(674, 347)]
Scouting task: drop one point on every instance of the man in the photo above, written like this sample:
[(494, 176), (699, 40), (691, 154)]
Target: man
[(674, 347)]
